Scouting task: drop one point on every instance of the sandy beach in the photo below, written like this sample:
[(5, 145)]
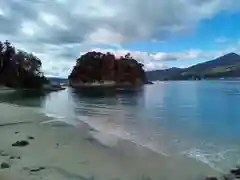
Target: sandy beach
[(58, 151)]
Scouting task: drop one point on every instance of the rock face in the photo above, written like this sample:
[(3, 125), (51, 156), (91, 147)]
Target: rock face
[(96, 67)]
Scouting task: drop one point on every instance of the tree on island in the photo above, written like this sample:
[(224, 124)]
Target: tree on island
[(19, 69), (101, 67)]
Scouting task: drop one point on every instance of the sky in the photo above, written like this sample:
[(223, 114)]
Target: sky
[(158, 33)]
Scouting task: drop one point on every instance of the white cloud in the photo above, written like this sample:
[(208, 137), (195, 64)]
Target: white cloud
[(52, 20), (58, 30), (2, 12), (55, 63), (153, 61), (104, 36), (29, 28)]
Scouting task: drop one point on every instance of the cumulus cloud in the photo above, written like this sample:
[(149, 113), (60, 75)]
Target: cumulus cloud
[(153, 61), (58, 30)]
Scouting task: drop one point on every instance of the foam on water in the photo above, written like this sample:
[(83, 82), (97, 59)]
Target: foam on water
[(55, 116), (108, 132), (111, 135), (221, 159), (201, 156)]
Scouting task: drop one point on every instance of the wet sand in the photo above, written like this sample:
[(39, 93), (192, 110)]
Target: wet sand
[(58, 151)]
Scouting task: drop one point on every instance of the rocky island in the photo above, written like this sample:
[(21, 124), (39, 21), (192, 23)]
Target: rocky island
[(106, 70)]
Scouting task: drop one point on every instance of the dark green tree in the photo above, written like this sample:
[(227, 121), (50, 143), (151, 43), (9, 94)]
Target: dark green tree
[(19, 69)]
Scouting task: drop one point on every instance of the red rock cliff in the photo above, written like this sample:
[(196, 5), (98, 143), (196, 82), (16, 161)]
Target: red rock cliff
[(99, 67)]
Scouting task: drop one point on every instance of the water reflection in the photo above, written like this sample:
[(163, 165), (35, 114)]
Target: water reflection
[(24, 98), (99, 102), (96, 95), (104, 92), (171, 117)]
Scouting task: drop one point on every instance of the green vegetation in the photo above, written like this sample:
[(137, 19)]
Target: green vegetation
[(97, 67), (19, 69)]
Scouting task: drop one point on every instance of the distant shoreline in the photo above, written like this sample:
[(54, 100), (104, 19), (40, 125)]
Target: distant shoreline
[(225, 79)]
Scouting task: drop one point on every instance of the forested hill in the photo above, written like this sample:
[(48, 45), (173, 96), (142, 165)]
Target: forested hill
[(222, 67)]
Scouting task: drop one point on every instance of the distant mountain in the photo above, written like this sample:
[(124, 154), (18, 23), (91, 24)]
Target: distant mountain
[(162, 74), (222, 67), (57, 80)]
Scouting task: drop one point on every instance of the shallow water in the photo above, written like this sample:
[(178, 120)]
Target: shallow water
[(196, 119)]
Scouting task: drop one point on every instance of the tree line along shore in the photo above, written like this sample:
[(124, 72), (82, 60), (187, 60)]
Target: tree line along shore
[(22, 70)]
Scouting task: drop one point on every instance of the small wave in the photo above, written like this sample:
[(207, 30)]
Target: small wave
[(60, 120), (218, 160), (55, 116), (200, 156), (52, 121), (106, 127), (108, 133)]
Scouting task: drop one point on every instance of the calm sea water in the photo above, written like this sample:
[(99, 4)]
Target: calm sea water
[(199, 119)]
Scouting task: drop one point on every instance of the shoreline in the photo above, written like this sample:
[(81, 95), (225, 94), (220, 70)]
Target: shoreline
[(61, 151), (84, 157)]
